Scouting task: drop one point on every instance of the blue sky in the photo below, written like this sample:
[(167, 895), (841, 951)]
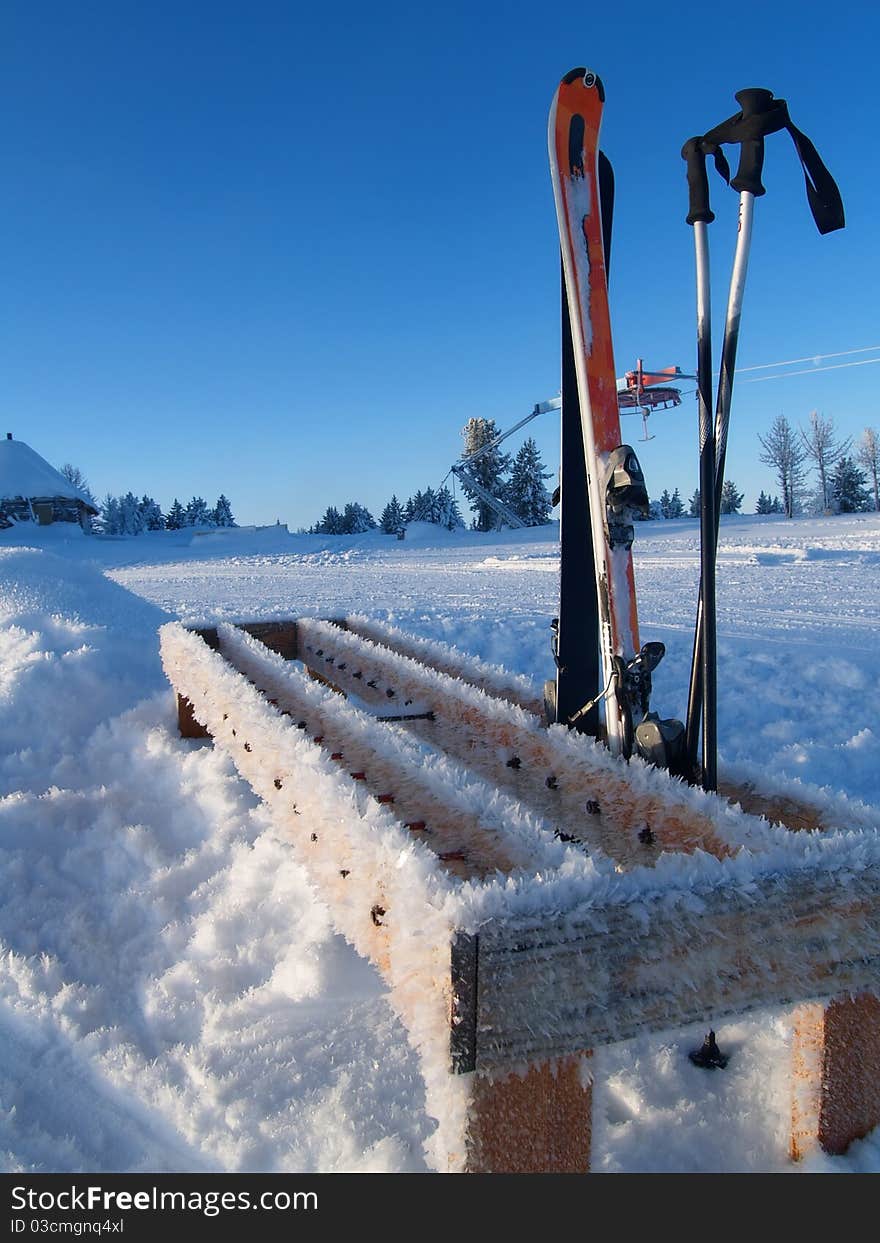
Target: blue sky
[(285, 251)]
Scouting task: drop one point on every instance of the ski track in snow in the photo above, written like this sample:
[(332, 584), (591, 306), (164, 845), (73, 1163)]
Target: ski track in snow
[(172, 995)]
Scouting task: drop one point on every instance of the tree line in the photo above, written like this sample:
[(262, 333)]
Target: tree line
[(845, 478), (517, 481), (840, 484), (845, 481), (130, 515), (127, 515), (431, 505)]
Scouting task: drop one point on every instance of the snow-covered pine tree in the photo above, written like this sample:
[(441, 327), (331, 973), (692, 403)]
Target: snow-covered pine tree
[(356, 519), (764, 505), (330, 524), (111, 518), (152, 518), (731, 500), (392, 519), (448, 513), (176, 517), (222, 513), (130, 521), (665, 502), (676, 505), (524, 491), (197, 513), (488, 469), (848, 491), (694, 504), (424, 506), (777, 506)]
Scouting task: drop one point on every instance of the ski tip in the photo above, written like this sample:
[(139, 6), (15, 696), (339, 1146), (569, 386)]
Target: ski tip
[(590, 80)]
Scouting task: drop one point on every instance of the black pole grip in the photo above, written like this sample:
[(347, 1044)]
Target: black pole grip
[(751, 163), (698, 182), (753, 101)]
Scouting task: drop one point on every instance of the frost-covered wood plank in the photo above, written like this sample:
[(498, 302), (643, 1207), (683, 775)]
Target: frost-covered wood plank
[(360, 859), (673, 960), (492, 679), (631, 813), (469, 826)]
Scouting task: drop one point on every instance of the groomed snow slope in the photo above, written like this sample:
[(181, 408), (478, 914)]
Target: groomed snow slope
[(172, 996)]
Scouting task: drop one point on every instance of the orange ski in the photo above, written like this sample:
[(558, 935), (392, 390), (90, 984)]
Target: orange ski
[(615, 483)]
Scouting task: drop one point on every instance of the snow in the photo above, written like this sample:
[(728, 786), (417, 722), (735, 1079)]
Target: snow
[(172, 993)]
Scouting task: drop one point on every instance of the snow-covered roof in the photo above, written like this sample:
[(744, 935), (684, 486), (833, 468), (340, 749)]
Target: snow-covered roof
[(24, 473)]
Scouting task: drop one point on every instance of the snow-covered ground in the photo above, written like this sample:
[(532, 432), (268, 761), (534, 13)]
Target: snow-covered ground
[(172, 994)]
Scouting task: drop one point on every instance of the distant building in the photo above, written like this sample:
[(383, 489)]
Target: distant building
[(33, 491)]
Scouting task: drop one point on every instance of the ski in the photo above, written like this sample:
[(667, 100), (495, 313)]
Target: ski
[(575, 641), (615, 484)]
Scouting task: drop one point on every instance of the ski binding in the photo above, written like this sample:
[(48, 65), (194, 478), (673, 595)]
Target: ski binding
[(626, 497)]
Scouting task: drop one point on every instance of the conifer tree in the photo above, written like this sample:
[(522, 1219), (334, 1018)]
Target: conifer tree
[(392, 519), (731, 500), (764, 505), (676, 507), (356, 519), (414, 506), (848, 491), (524, 491), (446, 508), (694, 506), (424, 506), (197, 513), (488, 470), (130, 520), (665, 502), (152, 518), (110, 515), (222, 513), (330, 524), (176, 517)]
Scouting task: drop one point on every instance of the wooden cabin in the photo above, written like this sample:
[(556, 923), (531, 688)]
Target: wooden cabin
[(33, 491)]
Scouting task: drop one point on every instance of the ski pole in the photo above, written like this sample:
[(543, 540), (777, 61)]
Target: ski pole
[(705, 646), (700, 217), (703, 689), (760, 114), (722, 425), (758, 104)]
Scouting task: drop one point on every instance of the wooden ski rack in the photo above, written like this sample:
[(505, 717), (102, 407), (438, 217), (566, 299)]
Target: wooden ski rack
[(527, 897)]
